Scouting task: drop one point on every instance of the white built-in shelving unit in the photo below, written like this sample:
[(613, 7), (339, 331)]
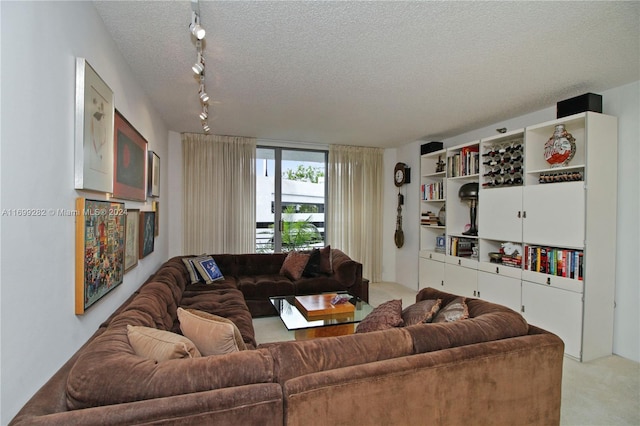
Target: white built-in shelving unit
[(554, 227)]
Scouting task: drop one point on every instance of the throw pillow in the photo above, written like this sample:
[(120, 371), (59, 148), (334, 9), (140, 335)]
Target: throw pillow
[(420, 312), (387, 315), (160, 345), (212, 334), (190, 263), (456, 310), (294, 265), (208, 269), (312, 269)]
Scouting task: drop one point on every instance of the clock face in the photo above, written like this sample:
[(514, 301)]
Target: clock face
[(400, 175)]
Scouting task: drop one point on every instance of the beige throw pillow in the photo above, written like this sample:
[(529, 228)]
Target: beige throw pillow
[(160, 345), (212, 334)]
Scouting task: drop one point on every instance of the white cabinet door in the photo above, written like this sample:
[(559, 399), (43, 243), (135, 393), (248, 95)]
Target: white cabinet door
[(555, 214), (500, 214), (555, 310), (500, 289), (431, 274), (460, 280)]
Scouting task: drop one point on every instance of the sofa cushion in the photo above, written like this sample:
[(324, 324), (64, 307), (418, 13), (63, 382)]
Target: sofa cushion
[(422, 311), (386, 315), (208, 270), (212, 334), (160, 345), (319, 263), (190, 263), (455, 310), (294, 265)]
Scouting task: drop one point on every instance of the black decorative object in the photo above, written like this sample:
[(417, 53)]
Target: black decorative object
[(469, 192), (582, 103), (426, 148)]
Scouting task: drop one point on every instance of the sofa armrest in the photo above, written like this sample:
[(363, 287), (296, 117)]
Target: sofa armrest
[(258, 404), (346, 270)]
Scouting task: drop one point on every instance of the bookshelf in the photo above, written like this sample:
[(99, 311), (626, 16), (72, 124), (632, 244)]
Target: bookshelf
[(546, 235)]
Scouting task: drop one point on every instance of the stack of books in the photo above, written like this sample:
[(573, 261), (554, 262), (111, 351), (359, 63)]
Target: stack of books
[(429, 219)]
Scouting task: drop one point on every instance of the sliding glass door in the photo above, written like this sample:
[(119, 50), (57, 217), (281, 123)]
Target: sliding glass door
[(290, 199)]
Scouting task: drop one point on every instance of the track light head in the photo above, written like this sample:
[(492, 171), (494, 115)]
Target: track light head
[(204, 97), (198, 68), (195, 27), (204, 114)]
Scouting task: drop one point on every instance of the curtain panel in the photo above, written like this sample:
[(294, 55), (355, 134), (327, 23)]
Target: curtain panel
[(219, 194), (355, 204)]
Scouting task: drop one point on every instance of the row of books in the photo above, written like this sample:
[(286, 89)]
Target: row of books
[(461, 247), (554, 261), (466, 162), (433, 191)]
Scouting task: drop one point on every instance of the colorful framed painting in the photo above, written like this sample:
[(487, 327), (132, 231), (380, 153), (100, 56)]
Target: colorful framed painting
[(132, 236), (93, 159), (130, 163), (100, 241), (146, 233), (153, 179)]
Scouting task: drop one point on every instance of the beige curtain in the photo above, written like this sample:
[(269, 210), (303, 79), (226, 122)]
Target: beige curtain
[(354, 213), (219, 194)]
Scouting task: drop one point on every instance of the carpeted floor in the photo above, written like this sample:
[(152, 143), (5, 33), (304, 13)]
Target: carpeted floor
[(604, 392)]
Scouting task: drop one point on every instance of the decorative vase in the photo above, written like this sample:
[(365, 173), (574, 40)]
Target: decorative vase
[(560, 148)]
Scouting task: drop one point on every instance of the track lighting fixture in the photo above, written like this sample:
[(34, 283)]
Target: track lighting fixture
[(198, 33), (195, 27)]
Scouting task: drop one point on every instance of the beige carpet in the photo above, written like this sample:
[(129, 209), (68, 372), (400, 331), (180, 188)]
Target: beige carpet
[(604, 392)]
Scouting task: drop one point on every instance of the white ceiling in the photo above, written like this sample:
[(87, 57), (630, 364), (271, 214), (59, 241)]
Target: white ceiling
[(372, 73)]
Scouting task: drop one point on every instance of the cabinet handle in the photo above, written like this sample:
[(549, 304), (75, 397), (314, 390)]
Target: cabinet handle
[(478, 293), (524, 214), (459, 262), (519, 214), (548, 280), (474, 293), (442, 283), (497, 269), (430, 256)]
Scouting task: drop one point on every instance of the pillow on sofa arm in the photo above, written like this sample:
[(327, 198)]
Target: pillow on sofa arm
[(456, 310), (387, 315), (421, 312)]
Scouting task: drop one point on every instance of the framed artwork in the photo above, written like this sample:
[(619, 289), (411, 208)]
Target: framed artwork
[(130, 163), (154, 175), (100, 239), (94, 130), (146, 233), (156, 208), (132, 236)]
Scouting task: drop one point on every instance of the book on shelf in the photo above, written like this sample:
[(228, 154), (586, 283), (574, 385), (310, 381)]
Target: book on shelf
[(433, 191), (466, 162), (555, 261), (461, 247)]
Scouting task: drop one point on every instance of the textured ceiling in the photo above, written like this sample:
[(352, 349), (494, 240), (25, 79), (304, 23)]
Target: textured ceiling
[(372, 73)]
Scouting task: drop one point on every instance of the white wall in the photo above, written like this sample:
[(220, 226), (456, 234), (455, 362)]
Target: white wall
[(39, 329), (622, 102)]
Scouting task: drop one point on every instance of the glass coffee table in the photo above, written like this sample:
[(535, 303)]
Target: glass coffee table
[(320, 320)]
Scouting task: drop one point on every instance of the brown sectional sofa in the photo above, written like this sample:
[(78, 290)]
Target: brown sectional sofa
[(492, 368)]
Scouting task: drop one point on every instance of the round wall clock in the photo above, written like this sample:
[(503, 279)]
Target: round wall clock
[(401, 174)]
